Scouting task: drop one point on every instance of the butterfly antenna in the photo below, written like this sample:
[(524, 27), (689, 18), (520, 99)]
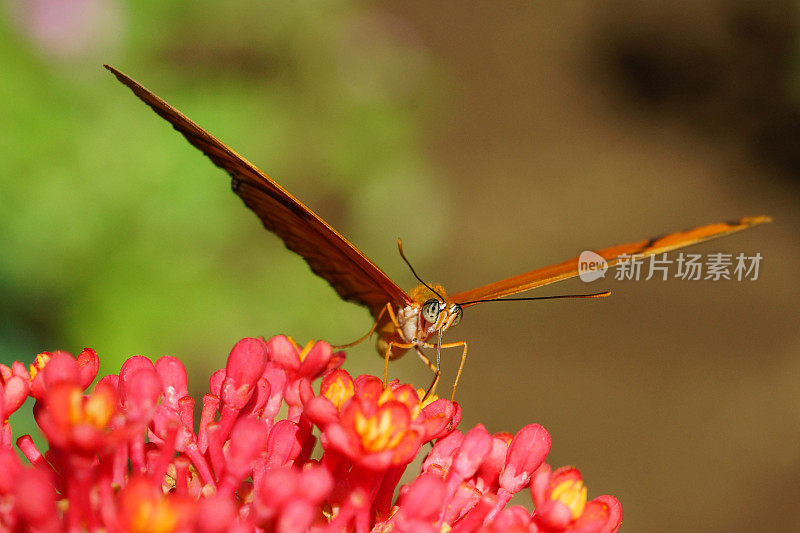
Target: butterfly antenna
[(400, 247), (593, 295)]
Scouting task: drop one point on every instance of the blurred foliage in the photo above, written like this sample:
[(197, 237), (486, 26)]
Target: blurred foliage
[(117, 234)]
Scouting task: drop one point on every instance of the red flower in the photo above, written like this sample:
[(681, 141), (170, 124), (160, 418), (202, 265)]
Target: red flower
[(560, 500), (144, 507), (70, 419), (125, 457), (336, 389), (375, 435)]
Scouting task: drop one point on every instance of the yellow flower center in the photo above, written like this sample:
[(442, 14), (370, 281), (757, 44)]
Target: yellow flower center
[(156, 516), (38, 364), (427, 401), (378, 432), (96, 410), (339, 391), (571, 493), (306, 349)]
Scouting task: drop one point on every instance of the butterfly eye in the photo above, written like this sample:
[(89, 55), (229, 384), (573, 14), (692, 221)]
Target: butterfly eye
[(430, 310), (458, 312)]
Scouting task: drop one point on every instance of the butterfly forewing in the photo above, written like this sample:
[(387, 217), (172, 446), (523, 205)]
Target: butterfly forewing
[(569, 269), (329, 255)]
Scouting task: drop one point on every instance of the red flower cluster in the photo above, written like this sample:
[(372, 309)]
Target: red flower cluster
[(126, 457)]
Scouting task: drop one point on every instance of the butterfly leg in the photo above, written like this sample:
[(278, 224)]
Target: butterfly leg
[(392, 344), (434, 369), (463, 345), (371, 330)]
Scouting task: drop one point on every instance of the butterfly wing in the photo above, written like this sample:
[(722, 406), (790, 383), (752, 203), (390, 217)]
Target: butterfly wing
[(329, 255), (613, 255)]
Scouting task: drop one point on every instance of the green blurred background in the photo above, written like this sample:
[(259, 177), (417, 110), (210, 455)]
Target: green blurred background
[(494, 138)]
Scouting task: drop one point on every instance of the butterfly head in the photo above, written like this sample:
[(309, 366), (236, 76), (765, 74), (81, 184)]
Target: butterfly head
[(441, 314), (435, 307)]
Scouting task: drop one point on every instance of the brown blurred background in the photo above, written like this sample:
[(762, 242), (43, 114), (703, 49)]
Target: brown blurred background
[(494, 138)]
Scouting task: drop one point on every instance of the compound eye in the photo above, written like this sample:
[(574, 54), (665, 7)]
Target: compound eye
[(456, 309), (430, 310)]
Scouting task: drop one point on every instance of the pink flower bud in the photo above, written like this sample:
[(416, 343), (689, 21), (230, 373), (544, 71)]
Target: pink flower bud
[(305, 391), (423, 499), (489, 471), (215, 514), (276, 377), (465, 498), (130, 367), (248, 439), (29, 450), (285, 441), (474, 518), (14, 393), (474, 448), (88, 364), (259, 398), (139, 391), (173, 379), (132, 364), (442, 453), (527, 451), (245, 365), (215, 382)]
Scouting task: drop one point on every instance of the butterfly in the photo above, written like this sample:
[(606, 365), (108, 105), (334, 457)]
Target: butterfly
[(403, 320)]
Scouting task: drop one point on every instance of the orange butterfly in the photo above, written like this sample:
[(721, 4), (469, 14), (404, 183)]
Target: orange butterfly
[(403, 320)]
